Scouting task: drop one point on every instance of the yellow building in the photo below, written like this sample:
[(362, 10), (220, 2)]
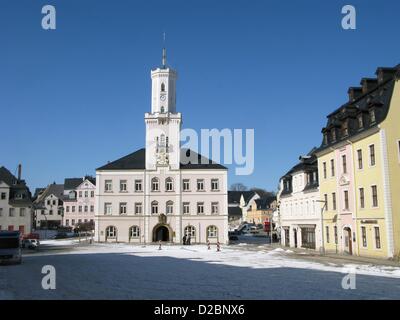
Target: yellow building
[(261, 210), (359, 170)]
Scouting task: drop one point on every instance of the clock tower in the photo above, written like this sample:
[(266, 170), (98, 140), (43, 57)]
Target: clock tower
[(163, 124)]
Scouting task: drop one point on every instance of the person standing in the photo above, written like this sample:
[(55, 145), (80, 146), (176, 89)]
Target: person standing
[(184, 239), (188, 239)]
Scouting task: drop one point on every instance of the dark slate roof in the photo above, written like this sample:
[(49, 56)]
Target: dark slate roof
[(234, 196), (265, 203), (56, 189), (16, 188), (73, 183), (137, 161), (374, 94), (37, 192), (234, 212)]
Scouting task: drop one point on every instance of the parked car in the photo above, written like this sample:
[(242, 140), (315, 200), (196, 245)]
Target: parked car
[(32, 244)]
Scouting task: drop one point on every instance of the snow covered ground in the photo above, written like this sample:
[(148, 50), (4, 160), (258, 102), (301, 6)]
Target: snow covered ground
[(120, 271)]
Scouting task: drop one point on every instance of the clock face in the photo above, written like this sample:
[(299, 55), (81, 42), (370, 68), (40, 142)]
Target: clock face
[(163, 97)]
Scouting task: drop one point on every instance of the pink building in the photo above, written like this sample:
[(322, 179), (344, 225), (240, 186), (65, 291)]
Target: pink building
[(79, 201)]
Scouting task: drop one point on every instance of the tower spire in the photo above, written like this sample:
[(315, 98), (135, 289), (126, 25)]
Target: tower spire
[(164, 53)]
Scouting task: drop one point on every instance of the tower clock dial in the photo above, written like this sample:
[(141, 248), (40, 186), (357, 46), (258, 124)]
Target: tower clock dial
[(163, 97)]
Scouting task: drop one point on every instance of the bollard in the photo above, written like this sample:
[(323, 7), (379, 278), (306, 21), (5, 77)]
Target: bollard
[(218, 246), (208, 245)]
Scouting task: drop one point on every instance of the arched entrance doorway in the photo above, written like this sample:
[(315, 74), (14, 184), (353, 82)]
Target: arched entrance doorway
[(161, 232), (348, 243)]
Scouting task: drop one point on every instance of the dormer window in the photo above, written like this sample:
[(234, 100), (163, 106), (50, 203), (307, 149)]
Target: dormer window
[(325, 138), (345, 129), (360, 122), (333, 133), (372, 116)]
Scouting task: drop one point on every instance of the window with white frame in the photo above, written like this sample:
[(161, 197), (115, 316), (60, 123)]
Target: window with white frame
[(186, 208), (374, 190), (107, 208), (138, 186), (155, 185), (212, 232), (123, 186), (200, 184), (86, 194), (372, 155), (377, 238), (190, 230), (80, 194), (170, 207), (80, 209), (1, 212), (154, 207), (169, 185), (22, 212), (364, 236), (138, 208), (111, 232), (91, 208), (200, 207), (214, 208), (92, 194), (186, 185), (108, 185), (134, 232), (214, 184), (360, 159), (86, 208), (122, 208), (73, 208), (12, 212)]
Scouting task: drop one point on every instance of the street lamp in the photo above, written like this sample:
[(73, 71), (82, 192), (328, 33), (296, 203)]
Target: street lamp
[(322, 224)]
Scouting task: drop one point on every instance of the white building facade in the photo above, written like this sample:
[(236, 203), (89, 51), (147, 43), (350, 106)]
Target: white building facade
[(162, 192), (299, 216), (48, 207)]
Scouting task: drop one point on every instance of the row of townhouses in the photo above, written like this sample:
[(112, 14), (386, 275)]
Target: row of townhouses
[(344, 195)]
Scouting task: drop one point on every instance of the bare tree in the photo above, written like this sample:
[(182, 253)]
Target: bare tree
[(238, 187)]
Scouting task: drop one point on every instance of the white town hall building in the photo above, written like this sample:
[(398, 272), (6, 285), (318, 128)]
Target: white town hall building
[(155, 193)]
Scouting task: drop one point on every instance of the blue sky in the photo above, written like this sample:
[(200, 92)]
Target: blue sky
[(74, 98)]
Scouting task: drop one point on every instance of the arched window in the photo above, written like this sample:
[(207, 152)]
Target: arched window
[(154, 207), (134, 232), (111, 232), (162, 109), (190, 230), (155, 185), (212, 232), (169, 184), (162, 87), (170, 207)]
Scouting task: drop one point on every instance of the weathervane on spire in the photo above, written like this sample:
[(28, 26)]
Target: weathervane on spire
[(164, 55)]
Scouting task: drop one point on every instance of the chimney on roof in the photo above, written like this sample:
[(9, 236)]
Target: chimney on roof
[(354, 93), (368, 84), (19, 172)]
